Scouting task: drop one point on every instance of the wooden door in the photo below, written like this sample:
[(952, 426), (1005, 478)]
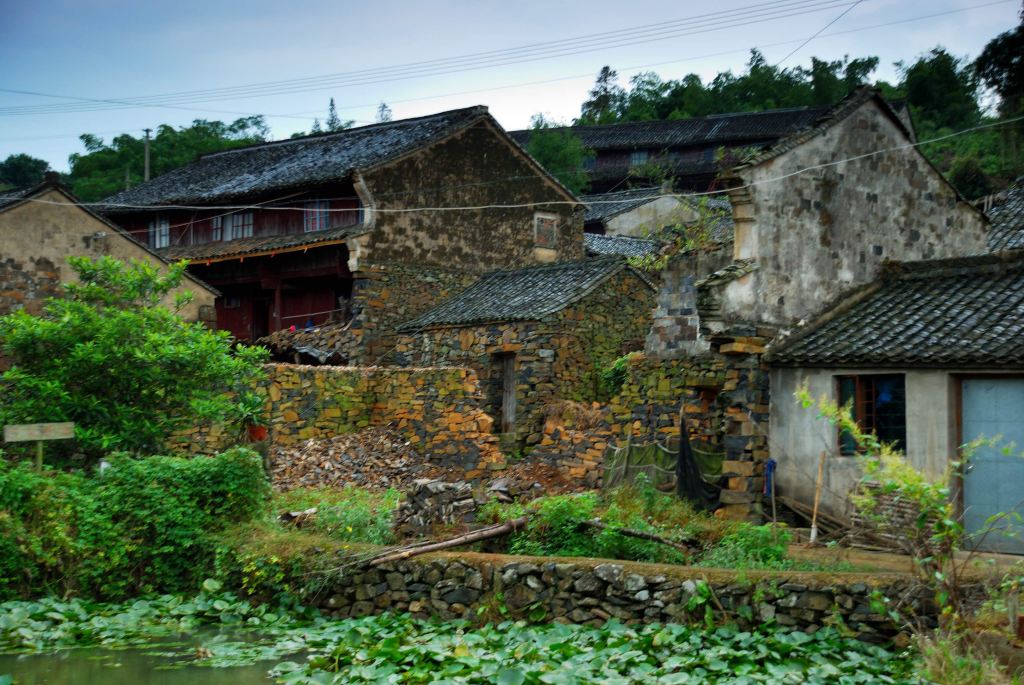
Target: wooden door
[(508, 393)]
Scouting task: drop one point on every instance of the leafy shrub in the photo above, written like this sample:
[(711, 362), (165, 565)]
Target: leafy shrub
[(615, 374), (126, 369), (136, 527), (351, 514), (751, 546)]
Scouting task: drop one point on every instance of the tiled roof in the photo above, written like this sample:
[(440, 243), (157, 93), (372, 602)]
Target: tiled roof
[(597, 244), (240, 247), (604, 206), (949, 313), (522, 294), (14, 195), (288, 164), (1007, 217), (717, 129)]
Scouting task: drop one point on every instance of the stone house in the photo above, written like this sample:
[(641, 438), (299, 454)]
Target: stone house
[(40, 227), (535, 335), (930, 357), (813, 216), (355, 231), (692, 151)]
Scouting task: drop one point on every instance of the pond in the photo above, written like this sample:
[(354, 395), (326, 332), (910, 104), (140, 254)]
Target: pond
[(164, 662)]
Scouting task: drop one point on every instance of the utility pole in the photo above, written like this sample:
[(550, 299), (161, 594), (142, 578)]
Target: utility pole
[(145, 173)]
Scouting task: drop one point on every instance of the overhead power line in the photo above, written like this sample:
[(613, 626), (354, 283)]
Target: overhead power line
[(526, 205), (817, 33), (715, 21)]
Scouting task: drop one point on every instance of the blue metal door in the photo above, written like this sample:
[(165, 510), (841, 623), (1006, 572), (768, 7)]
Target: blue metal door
[(994, 481)]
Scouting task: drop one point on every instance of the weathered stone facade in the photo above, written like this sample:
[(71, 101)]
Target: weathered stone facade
[(723, 399), (592, 591), (477, 167), (36, 238), (439, 409), (558, 357)]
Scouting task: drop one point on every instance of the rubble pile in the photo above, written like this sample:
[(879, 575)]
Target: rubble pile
[(374, 458), (432, 502)]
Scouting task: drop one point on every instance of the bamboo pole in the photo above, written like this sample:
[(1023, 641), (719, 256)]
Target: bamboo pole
[(817, 497), (482, 534)]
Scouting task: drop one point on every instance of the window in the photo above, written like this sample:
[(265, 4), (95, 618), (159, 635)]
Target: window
[(232, 226), (232, 302), (545, 230), (879, 405), (159, 232), (317, 216), (637, 157)]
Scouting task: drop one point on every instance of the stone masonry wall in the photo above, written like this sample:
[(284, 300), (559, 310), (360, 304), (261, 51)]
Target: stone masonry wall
[(27, 283), (386, 295), (723, 398), (557, 358), (592, 591), (437, 408)]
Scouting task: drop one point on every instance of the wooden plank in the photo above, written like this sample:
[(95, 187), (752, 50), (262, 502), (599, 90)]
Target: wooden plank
[(39, 431)]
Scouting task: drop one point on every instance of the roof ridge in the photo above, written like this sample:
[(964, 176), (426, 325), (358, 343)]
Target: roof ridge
[(554, 266), (476, 109), (950, 266)]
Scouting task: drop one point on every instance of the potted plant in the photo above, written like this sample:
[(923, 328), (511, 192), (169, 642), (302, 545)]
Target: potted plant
[(253, 416)]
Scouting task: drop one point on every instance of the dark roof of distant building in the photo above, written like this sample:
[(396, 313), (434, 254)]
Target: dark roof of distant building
[(14, 195), (716, 129), (297, 163), (1007, 218), (965, 312), (261, 245), (525, 294), (599, 245), (604, 206)]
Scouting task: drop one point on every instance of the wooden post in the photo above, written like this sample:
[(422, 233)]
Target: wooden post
[(817, 497), (277, 305)]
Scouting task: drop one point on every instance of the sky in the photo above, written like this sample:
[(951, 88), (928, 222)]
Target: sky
[(419, 57)]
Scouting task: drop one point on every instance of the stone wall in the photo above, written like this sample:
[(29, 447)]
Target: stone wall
[(592, 591), (723, 398), (816, 235), (559, 357), (575, 440), (437, 408), (386, 295), (478, 167), (36, 239)]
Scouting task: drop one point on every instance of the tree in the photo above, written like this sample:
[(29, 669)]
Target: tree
[(333, 122), (22, 171), (126, 369), (383, 113), (100, 171), (943, 90), (560, 152), (1000, 66), (969, 178), (606, 99), (316, 127)]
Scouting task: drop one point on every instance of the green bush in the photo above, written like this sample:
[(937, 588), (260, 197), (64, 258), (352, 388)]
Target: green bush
[(125, 368), (137, 527), (351, 514), (751, 546)]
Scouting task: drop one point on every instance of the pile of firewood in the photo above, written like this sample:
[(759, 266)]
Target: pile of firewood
[(374, 458)]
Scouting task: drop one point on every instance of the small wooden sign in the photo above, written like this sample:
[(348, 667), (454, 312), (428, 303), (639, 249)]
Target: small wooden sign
[(39, 431)]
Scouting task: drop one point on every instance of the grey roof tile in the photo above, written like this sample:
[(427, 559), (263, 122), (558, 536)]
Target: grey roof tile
[(1007, 217), (597, 244), (522, 294), (215, 251), (951, 312), (287, 164)]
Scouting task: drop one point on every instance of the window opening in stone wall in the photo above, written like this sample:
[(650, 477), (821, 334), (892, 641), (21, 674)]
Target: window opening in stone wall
[(545, 230), (879, 406)]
